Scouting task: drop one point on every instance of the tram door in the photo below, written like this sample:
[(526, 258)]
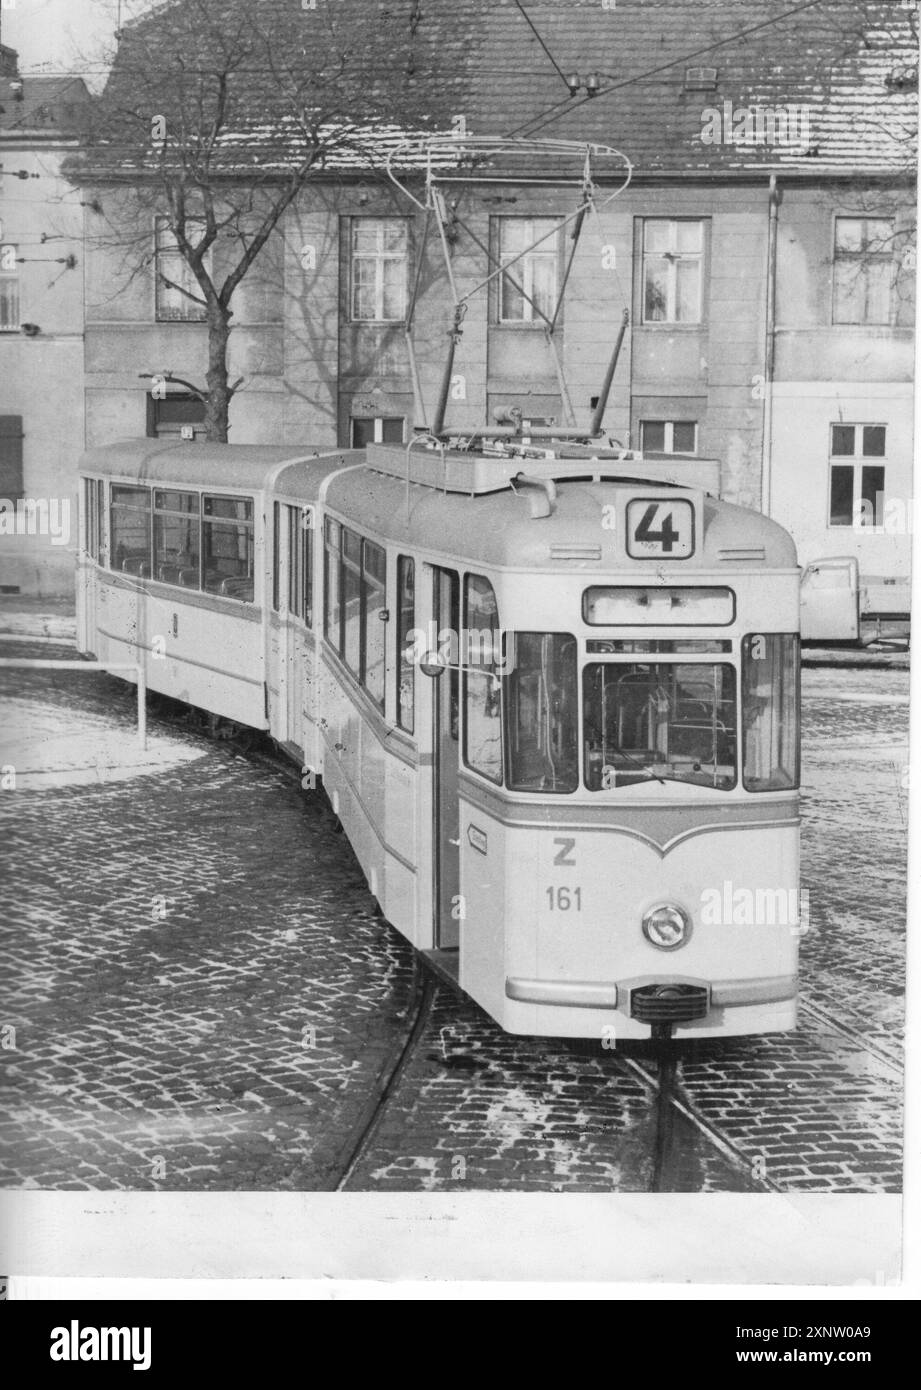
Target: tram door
[(445, 743)]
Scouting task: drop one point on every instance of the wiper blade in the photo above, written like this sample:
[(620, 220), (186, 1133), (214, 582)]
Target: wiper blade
[(636, 763)]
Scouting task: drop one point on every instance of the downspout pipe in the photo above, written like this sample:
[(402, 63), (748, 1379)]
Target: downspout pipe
[(770, 335)]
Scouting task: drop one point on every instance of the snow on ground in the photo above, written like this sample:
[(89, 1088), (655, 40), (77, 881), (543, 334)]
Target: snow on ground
[(47, 746)]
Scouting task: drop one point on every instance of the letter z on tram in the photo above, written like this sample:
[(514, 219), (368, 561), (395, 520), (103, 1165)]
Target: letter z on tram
[(556, 710)]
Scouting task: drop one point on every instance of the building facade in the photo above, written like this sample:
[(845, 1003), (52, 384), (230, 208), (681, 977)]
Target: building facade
[(41, 330), (764, 252)]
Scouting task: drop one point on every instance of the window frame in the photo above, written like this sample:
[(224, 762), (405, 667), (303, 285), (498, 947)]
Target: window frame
[(356, 566), (862, 257), (669, 437), (378, 257), (200, 314), (299, 550), (510, 723), (188, 516), (226, 523), (113, 529), (701, 257), (673, 662), (857, 462), (745, 724), (379, 422), (488, 671), (91, 518), (523, 269), (405, 563)]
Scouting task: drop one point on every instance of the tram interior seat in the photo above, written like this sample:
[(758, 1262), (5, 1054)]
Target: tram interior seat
[(241, 588)]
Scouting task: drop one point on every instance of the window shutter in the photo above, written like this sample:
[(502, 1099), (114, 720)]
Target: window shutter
[(11, 457)]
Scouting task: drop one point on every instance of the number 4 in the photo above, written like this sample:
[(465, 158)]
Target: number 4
[(666, 534)]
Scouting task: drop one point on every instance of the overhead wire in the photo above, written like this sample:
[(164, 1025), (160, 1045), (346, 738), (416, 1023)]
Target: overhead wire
[(545, 118)]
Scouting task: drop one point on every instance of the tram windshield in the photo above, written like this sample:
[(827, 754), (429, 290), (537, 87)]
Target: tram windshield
[(650, 719), (662, 721)]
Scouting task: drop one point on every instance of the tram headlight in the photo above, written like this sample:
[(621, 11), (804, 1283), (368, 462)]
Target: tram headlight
[(666, 926)]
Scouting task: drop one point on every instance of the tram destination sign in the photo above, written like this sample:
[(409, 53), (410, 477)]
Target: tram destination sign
[(660, 527)]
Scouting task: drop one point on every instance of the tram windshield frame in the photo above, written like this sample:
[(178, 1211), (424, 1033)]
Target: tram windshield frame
[(602, 715)]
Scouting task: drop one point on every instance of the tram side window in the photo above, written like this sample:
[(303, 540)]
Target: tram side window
[(130, 523), (373, 628), (356, 598), (227, 546), (177, 538), (351, 601), (101, 547), (276, 557), (90, 518), (770, 712), (406, 622), (331, 586), (543, 712), (300, 563), (480, 658)]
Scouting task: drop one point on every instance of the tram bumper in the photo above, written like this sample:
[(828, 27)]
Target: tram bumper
[(704, 1007)]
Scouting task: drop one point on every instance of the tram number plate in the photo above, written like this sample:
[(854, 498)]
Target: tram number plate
[(660, 527)]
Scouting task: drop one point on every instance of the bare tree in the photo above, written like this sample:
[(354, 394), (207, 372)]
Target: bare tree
[(215, 117)]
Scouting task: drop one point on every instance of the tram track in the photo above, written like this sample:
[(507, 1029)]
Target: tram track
[(388, 1078), (827, 1022), (671, 1101)]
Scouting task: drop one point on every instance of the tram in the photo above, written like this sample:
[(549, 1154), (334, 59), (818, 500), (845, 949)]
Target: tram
[(552, 694)]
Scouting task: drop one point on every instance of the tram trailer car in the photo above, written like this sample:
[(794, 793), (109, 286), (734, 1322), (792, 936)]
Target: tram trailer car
[(556, 711)]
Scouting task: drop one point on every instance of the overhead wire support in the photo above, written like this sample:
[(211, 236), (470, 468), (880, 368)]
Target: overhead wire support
[(535, 31)]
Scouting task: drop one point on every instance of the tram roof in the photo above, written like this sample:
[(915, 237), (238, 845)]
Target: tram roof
[(190, 464), (494, 529), (499, 529)]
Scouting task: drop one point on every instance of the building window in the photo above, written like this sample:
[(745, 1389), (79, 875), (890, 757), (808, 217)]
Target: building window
[(377, 429), (668, 436), (11, 481), (673, 253), (528, 293), (379, 263), (863, 269), (406, 622), (858, 478), (9, 290), (166, 418), (227, 547), (174, 279)]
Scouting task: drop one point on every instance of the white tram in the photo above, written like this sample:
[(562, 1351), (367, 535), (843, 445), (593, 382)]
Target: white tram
[(556, 711)]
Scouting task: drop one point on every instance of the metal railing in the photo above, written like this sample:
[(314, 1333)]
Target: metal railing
[(40, 665)]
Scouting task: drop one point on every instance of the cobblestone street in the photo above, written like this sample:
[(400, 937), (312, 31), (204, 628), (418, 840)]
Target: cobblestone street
[(202, 996)]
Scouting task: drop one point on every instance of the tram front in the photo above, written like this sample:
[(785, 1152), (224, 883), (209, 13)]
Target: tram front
[(632, 870)]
